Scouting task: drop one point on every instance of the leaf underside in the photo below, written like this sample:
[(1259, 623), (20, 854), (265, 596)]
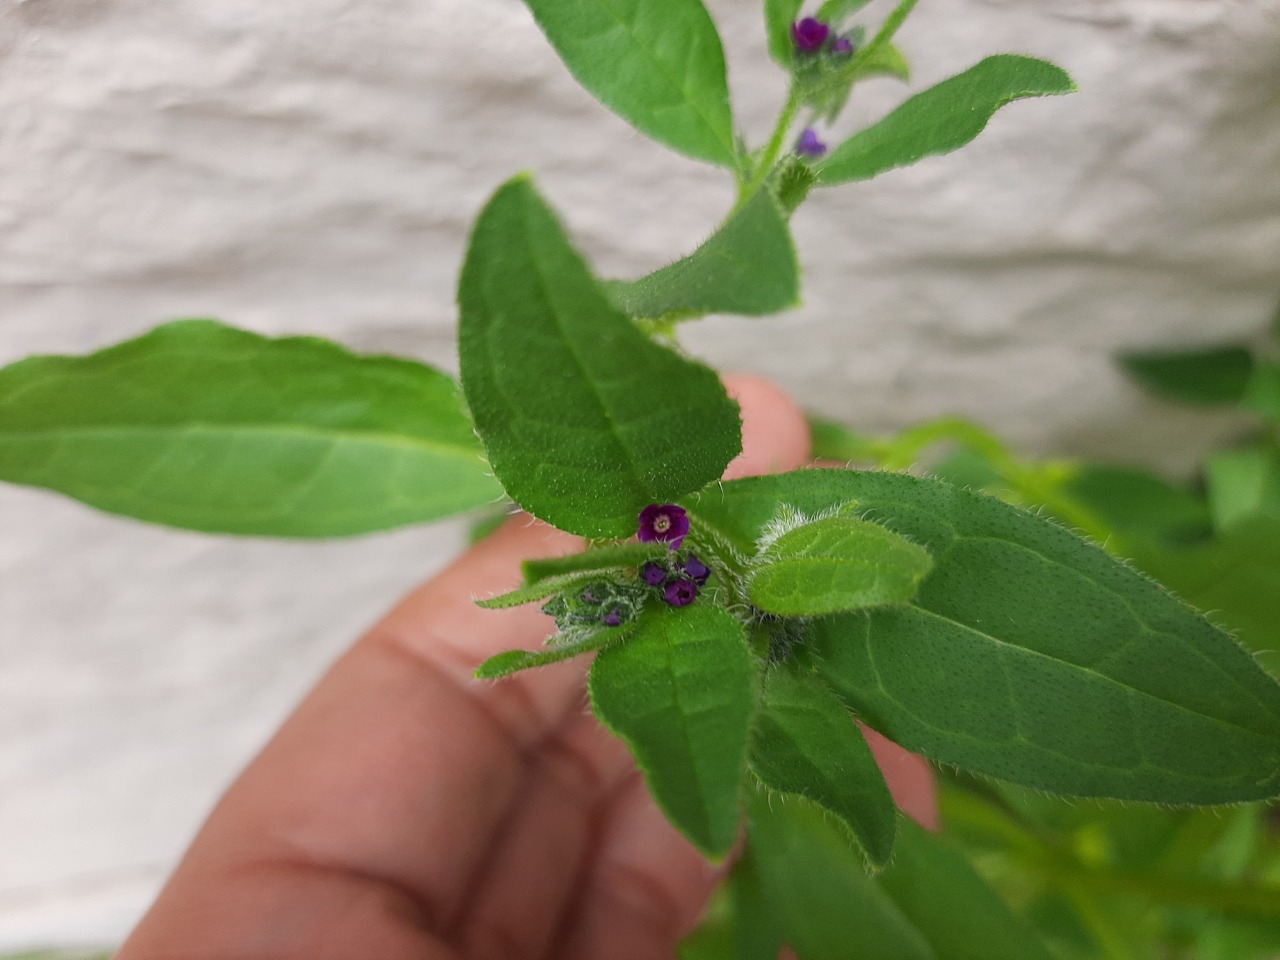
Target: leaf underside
[(204, 426)]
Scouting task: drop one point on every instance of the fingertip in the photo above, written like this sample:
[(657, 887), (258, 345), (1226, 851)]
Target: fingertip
[(775, 433)]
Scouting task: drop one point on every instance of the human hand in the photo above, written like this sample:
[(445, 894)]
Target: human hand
[(406, 810)]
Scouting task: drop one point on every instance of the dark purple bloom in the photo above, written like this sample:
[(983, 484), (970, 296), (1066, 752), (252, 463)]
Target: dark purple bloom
[(613, 618), (665, 523), (680, 593), (809, 34), (653, 573), (809, 145), (842, 46), (696, 570)]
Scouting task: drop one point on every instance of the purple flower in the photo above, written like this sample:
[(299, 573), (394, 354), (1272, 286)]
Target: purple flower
[(663, 522), (842, 46), (809, 145), (653, 573), (680, 593), (613, 618), (809, 34), (696, 570)]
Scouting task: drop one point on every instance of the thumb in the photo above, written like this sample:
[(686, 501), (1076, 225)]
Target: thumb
[(775, 434)]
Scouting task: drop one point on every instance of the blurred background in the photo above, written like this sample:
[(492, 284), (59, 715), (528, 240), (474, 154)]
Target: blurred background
[(314, 167)]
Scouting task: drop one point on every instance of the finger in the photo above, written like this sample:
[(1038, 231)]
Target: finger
[(645, 890), (910, 779), (775, 434)]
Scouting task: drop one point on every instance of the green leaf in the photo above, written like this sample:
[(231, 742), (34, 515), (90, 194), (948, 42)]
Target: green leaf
[(836, 12), (738, 924), (748, 266), (539, 590), (1236, 576), (1242, 483), (1137, 503), (1208, 376), (928, 904), (885, 61), (658, 64), (1028, 654), (681, 692), (836, 564), (1263, 391), (943, 118), (614, 557), (204, 426), (585, 419), (805, 742), (512, 661), (778, 17)]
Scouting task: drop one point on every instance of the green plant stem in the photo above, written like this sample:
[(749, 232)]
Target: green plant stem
[(773, 148), (884, 35)]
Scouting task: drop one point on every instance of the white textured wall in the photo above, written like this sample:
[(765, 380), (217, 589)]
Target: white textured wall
[(313, 166)]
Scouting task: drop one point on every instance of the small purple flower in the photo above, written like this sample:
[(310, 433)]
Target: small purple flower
[(809, 145), (680, 593), (665, 523), (653, 573), (809, 34), (842, 46), (696, 570), (613, 618)]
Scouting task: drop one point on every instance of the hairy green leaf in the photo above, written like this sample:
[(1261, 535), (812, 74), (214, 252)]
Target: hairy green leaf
[(1028, 654), (585, 419), (748, 266), (778, 17), (943, 118), (512, 661), (614, 557), (805, 742), (539, 590), (836, 564), (658, 64), (681, 692), (928, 904), (1208, 376), (204, 426)]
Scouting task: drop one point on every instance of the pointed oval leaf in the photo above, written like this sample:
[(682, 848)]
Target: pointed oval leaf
[(681, 691), (203, 426), (778, 17), (613, 557), (927, 904), (943, 118), (1029, 654), (512, 661), (1209, 376), (836, 564), (748, 266), (658, 64), (585, 419), (805, 742)]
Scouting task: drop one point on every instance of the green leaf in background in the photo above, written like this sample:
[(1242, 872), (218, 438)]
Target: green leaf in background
[(681, 692), (658, 64), (1028, 654), (1263, 391), (204, 426), (613, 557), (805, 742), (1237, 576), (512, 661), (738, 925), (838, 11), (1242, 483), (1209, 376), (942, 118), (778, 17), (585, 419), (748, 266), (885, 61), (1136, 503), (836, 564), (927, 905)]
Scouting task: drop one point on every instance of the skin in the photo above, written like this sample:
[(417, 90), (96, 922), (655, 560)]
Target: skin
[(406, 810)]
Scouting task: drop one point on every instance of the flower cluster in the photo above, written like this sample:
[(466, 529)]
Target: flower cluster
[(606, 602), (812, 36), (679, 578)]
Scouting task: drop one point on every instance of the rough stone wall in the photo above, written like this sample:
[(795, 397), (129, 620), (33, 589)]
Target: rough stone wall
[(313, 167)]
